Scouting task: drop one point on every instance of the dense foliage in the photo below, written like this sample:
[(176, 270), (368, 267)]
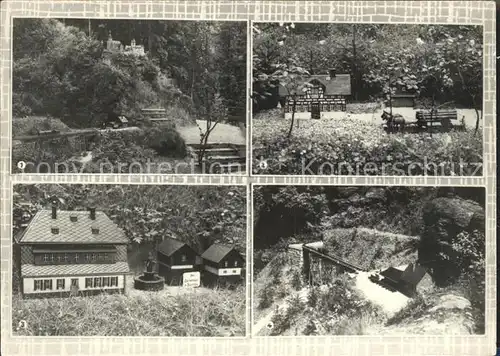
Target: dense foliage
[(59, 68), (434, 61), (199, 215)]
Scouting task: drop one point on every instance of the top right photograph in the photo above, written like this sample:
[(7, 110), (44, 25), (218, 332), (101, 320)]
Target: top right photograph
[(367, 99)]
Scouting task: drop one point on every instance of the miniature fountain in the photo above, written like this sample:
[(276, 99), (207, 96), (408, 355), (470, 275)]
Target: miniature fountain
[(149, 281)]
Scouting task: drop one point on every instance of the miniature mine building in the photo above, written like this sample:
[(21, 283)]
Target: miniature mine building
[(64, 253), (174, 258), (323, 95), (222, 265), (406, 281)]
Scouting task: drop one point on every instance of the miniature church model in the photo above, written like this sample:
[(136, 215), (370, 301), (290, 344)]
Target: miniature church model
[(66, 252)]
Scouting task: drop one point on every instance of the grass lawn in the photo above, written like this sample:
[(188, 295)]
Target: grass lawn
[(172, 312), (357, 144)]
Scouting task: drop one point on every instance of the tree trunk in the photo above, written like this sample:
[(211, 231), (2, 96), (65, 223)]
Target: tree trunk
[(354, 64), (293, 117), (478, 117), (150, 45)]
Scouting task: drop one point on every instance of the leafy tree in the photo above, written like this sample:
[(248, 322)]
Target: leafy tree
[(293, 79)]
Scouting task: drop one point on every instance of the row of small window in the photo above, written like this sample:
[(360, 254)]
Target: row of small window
[(46, 284), (225, 271), (92, 282), (67, 257), (100, 282)]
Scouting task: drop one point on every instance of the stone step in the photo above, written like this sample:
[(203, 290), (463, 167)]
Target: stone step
[(159, 119), (224, 159), (226, 168), (160, 115), (216, 145), (218, 152), (148, 110)]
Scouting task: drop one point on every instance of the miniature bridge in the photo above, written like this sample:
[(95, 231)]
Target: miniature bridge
[(314, 262), (347, 266)]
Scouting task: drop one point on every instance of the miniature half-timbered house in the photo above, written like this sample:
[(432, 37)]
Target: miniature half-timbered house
[(65, 253), (323, 95), (222, 265), (175, 258)]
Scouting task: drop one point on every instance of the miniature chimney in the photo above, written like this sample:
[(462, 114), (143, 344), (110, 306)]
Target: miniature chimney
[(332, 72), (92, 213), (73, 218), (54, 210)]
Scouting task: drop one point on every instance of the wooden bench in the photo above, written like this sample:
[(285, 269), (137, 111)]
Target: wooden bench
[(444, 117)]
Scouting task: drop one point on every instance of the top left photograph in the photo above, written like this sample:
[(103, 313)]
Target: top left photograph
[(101, 96)]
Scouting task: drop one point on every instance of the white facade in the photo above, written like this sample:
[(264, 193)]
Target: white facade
[(176, 266), (224, 271), (29, 284)]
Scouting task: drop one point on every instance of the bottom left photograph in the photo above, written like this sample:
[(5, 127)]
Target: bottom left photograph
[(129, 260)]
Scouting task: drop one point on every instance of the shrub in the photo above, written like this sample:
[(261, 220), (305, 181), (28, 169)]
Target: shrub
[(266, 296), (295, 306), (281, 323), (313, 296), (296, 279), (166, 141), (470, 249)]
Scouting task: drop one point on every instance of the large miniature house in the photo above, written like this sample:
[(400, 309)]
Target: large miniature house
[(174, 259), (321, 96), (65, 253), (222, 265)]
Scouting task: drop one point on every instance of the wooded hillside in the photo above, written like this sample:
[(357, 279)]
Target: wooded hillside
[(59, 69)]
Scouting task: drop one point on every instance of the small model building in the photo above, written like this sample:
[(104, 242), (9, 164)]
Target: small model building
[(65, 253), (407, 281), (322, 95), (222, 265), (174, 259)]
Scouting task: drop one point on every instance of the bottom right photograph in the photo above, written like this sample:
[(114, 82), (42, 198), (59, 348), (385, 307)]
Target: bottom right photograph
[(368, 260)]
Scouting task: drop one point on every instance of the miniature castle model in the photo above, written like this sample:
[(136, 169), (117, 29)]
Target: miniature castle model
[(117, 46), (65, 253)]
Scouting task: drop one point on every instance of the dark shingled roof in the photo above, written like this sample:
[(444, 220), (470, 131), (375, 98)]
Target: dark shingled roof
[(392, 274), (413, 274), (338, 85), (73, 270), (169, 246), (39, 230), (216, 252)]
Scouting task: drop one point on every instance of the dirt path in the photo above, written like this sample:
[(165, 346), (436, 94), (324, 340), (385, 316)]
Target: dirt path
[(223, 133), (390, 301)]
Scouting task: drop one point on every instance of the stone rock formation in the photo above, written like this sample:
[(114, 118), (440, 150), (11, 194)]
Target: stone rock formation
[(444, 219)]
